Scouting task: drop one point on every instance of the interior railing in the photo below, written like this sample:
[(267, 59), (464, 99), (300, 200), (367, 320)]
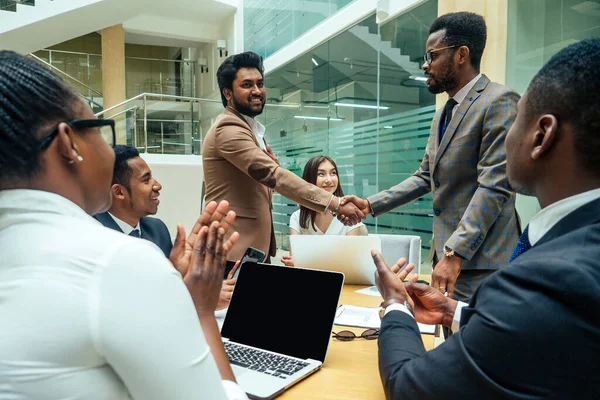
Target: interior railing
[(92, 97), (163, 124), (144, 75)]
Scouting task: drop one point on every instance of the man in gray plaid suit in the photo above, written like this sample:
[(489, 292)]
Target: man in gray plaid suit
[(475, 226)]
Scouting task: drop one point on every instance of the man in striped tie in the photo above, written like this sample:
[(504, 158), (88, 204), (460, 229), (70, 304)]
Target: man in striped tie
[(532, 329)]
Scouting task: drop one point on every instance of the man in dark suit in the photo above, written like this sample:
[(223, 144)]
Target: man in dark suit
[(532, 329), (475, 224), (135, 196)]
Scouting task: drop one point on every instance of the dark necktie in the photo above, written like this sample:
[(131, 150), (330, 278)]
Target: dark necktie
[(522, 245), (447, 116), (135, 233)]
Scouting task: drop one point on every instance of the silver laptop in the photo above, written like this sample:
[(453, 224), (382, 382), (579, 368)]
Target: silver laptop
[(350, 255), (278, 326)]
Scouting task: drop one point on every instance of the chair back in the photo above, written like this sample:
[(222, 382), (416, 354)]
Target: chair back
[(394, 247)]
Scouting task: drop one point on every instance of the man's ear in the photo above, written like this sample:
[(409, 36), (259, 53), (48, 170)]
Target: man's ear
[(66, 146), (118, 191), (544, 137), (228, 93), (464, 54)]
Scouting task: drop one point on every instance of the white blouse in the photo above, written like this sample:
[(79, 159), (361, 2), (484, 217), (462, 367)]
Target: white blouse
[(90, 313), (335, 227)]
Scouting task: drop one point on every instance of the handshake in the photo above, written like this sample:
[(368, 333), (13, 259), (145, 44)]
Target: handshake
[(352, 210)]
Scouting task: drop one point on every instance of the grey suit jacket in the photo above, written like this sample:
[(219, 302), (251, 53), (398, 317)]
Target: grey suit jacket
[(473, 204)]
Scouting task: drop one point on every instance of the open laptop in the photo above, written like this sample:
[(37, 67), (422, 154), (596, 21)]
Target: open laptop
[(278, 326), (350, 255)]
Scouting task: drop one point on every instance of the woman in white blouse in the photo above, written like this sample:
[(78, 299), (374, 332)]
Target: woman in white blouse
[(87, 312), (322, 172)]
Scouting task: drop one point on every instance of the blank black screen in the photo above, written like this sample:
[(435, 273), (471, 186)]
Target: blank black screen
[(285, 310)]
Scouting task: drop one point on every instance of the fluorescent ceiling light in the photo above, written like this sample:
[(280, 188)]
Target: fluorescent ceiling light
[(418, 78), (317, 118), (315, 62), (360, 106), (316, 106), (283, 105)]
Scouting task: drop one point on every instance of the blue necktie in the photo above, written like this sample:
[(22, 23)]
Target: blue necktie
[(135, 233), (522, 245), (447, 116)]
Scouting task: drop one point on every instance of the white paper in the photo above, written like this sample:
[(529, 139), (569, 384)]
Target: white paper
[(371, 291), (367, 317)]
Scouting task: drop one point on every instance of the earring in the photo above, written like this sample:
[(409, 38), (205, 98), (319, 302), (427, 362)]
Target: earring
[(79, 159)]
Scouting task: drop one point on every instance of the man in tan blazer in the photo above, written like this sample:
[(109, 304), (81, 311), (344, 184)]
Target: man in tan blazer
[(475, 226), (239, 166)]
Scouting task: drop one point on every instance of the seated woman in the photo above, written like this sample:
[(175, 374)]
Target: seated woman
[(87, 312), (322, 172)]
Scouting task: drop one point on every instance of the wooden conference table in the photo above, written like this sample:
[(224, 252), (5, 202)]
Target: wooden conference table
[(350, 370)]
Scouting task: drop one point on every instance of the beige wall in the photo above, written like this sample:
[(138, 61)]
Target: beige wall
[(495, 12)]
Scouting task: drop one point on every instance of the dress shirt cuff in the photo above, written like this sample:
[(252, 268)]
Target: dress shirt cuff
[(457, 313), (330, 200), (397, 307), (233, 391)]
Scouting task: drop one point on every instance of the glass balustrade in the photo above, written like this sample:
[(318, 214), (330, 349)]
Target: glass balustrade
[(143, 75), (163, 124)]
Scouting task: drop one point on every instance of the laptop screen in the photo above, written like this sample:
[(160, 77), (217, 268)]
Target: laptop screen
[(285, 310)]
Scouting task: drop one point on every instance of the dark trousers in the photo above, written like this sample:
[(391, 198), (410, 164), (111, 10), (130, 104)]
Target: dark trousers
[(468, 281)]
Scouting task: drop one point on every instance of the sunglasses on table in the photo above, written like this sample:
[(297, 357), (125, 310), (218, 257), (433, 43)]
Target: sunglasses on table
[(107, 130), (347, 336)]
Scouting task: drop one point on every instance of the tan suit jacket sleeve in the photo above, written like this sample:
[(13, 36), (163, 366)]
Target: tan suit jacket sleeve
[(237, 144)]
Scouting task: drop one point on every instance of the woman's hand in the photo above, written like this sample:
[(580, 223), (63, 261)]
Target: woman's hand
[(288, 261)]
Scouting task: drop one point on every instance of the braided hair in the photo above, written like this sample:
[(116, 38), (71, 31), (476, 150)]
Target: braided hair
[(31, 98)]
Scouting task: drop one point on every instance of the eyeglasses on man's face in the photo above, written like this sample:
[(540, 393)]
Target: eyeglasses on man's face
[(106, 126), (428, 57), (346, 336)]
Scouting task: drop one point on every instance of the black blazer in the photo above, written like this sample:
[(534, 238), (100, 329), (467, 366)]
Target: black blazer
[(531, 330), (153, 229)]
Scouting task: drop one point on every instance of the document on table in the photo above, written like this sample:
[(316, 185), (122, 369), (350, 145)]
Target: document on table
[(366, 317), (371, 291)]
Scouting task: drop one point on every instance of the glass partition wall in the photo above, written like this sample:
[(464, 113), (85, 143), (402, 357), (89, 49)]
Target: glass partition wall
[(269, 25), (538, 29), (359, 98)]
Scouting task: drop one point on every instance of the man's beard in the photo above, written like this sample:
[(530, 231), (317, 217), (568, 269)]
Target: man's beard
[(246, 110), (444, 81)]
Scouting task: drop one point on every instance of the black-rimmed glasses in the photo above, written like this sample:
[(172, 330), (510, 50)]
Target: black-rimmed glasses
[(428, 57), (347, 336), (107, 130)]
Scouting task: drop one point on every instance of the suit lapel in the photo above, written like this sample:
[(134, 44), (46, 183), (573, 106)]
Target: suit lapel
[(460, 113), (106, 220), (233, 112), (585, 215)]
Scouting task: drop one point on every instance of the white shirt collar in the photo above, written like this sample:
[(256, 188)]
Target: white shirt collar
[(125, 227), (258, 129), (462, 93), (544, 220)]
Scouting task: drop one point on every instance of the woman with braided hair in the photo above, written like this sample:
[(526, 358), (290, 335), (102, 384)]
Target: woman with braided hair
[(87, 312)]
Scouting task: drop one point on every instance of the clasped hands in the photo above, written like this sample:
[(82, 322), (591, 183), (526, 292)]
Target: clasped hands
[(201, 257), (352, 210), (428, 305)]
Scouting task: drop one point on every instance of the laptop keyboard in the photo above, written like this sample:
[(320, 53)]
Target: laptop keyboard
[(261, 361)]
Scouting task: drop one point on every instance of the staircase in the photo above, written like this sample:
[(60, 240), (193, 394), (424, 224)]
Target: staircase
[(394, 54), (11, 5), (29, 25)]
